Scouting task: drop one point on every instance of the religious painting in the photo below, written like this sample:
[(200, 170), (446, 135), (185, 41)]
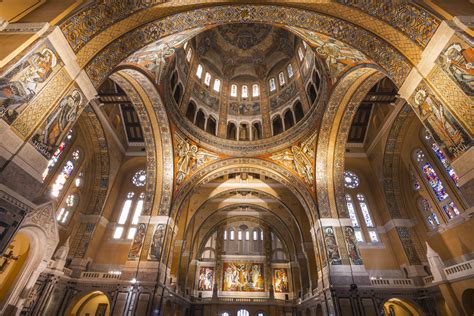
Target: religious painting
[(50, 135), (22, 82), (334, 257), (243, 277), (137, 243), (157, 242), (206, 278), (154, 57), (352, 249), (280, 280), (442, 126), (337, 55), (457, 60)]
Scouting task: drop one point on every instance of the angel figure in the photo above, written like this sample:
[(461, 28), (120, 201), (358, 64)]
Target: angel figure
[(299, 159)]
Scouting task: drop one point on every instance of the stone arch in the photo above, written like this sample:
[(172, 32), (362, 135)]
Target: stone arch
[(40, 227), (155, 125), (402, 307), (342, 105), (89, 302)]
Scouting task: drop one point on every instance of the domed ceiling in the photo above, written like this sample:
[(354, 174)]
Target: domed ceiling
[(245, 51)]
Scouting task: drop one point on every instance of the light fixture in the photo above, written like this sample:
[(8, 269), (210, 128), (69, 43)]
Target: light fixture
[(133, 281)]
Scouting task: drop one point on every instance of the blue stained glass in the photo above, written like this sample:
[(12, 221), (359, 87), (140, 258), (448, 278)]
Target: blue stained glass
[(451, 210), (434, 181), (445, 162)]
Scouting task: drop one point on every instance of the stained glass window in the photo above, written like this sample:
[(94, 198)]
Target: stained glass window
[(365, 210), (64, 212), (352, 212), (199, 71), (428, 213), (373, 236), (351, 180), (272, 84), (139, 178), (55, 157), (217, 85), (233, 90), (300, 53), (290, 70), (207, 79), (414, 181), (65, 174), (189, 54), (281, 78), (124, 213), (451, 210), (245, 93), (255, 90)]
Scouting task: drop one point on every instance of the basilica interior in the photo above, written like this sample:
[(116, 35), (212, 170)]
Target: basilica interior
[(236, 158)]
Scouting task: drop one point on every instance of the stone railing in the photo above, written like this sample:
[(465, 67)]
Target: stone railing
[(392, 282), (99, 275), (427, 280), (460, 270)]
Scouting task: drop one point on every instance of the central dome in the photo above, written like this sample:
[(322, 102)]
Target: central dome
[(250, 84)]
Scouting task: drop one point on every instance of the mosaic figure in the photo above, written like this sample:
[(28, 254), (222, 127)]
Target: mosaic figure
[(243, 277), (459, 63), (352, 249), (280, 280), (331, 246), (137, 242), (157, 242), (206, 279), (19, 85)]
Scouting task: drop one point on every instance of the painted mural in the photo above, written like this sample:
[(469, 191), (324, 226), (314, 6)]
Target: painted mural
[(337, 55), (155, 56), (137, 243), (22, 82), (442, 126), (457, 60), (206, 279), (334, 257), (243, 277), (352, 249), (157, 242), (280, 280), (49, 136)]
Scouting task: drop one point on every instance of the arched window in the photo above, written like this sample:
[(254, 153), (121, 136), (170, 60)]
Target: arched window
[(311, 91), (247, 235), (225, 314), (441, 157), (185, 45), (66, 173), (436, 184), (351, 183), (245, 92), (233, 90), (289, 69), (244, 132), (243, 312), (239, 235), (231, 131), (354, 220), (277, 125), (225, 234), (57, 154), (316, 80), (281, 78), (178, 93), (211, 125), (272, 84), (217, 85), (200, 119), (300, 53), (207, 79), (199, 71), (189, 54), (255, 90), (65, 212), (428, 213), (232, 234), (256, 131), (128, 219), (298, 109), (289, 119), (191, 111)]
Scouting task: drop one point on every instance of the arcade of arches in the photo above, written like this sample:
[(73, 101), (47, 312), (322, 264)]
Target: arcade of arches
[(236, 158)]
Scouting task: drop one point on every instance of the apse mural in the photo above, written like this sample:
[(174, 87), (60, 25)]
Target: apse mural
[(137, 242), (49, 136), (331, 246), (280, 280), (243, 277), (206, 279), (457, 60), (337, 55), (22, 82), (441, 124)]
